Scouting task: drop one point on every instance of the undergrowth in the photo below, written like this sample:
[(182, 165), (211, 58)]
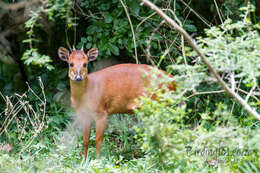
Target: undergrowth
[(157, 139)]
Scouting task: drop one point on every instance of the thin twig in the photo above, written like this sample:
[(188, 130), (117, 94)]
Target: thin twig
[(196, 14), (148, 56), (219, 15), (251, 91), (67, 39), (182, 38), (75, 26), (80, 11), (144, 20), (238, 86), (205, 93), (132, 29), (221, 91), (233, 82)]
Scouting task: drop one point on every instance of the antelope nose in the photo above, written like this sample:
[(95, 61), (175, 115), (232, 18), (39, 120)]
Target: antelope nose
[(78, 78)]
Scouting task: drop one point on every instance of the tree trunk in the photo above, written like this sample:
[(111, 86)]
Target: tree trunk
[(257, 8)]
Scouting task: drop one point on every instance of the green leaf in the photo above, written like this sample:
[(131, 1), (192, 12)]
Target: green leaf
[(108, 53), (49, 67), (135, 7), (108, 18), (83, 39), (190, 28), (114, 49), (91, 29), (105, 6), (32, 57), (89, 38), (88, 46)]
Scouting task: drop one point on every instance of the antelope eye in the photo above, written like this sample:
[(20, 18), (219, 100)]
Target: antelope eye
[(71, 64), (85, 65)]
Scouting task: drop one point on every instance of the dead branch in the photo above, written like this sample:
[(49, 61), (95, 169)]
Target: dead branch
[(176, 27)]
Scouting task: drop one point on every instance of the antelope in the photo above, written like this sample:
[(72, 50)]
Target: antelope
[(109, 91)]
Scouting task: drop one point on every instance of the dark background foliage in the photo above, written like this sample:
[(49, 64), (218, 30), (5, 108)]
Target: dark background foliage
[(99, 24)]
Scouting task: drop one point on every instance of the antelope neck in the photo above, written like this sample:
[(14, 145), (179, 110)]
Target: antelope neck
[(77, 89)]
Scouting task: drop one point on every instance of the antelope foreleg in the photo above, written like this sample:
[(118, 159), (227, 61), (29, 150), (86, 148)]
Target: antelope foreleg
[(86, 136), (100, 128)]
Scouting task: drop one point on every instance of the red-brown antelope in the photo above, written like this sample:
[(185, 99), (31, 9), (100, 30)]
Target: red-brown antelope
[(99, 94)]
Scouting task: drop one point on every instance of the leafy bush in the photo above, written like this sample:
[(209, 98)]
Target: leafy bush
[(219, 138), (171, 143), (233, 48), (33, 57)]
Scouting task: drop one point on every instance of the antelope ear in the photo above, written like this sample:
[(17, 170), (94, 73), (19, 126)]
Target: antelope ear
[(64, 54), (92, 54)]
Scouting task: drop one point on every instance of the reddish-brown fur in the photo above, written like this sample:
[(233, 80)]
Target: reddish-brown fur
[(99, 94)]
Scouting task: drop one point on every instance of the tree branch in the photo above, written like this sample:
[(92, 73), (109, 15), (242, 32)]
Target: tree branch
[(176, 27)]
